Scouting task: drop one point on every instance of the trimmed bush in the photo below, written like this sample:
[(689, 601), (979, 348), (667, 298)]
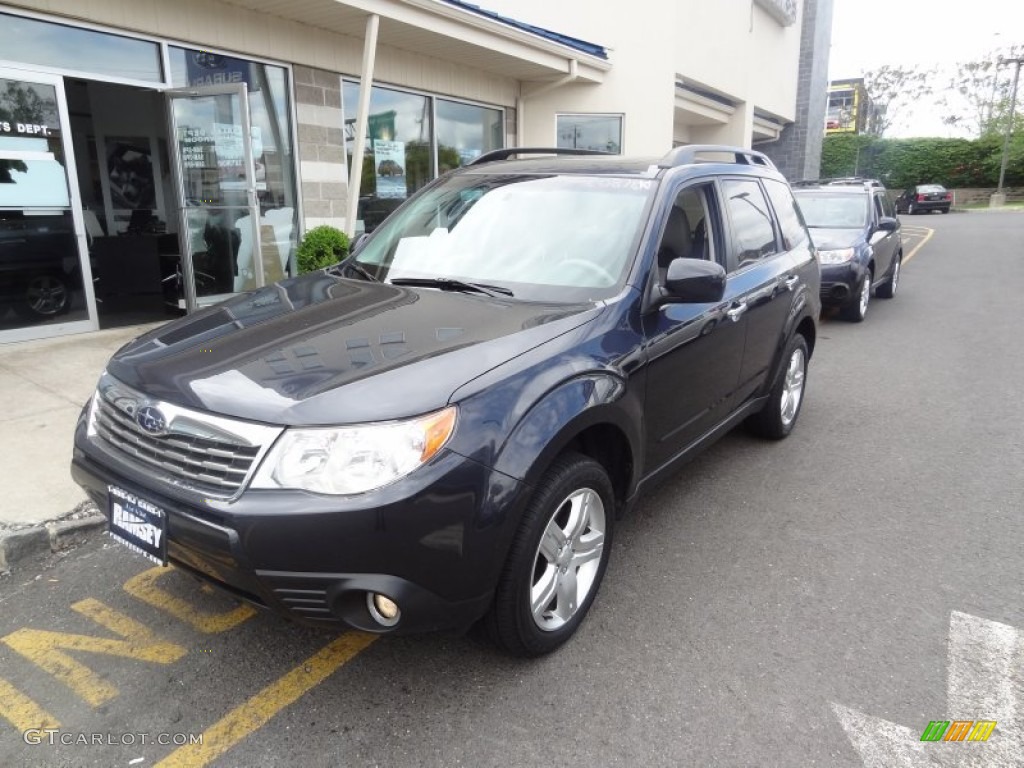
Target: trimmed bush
[(901, 163), (321, 247)]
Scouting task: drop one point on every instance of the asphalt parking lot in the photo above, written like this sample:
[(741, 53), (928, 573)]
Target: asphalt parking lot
[(817, 601)]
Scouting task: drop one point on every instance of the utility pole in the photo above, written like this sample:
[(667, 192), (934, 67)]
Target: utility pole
[(999, 198)]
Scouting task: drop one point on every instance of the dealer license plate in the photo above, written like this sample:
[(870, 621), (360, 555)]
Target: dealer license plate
[(138, 524)]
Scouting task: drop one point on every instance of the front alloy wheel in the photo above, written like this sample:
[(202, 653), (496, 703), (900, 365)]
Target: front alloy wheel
[(565, 565), (556, 562), (857, 310), (888, 289)]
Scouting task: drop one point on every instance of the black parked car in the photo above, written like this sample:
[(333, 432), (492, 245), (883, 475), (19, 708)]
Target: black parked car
[(446, 426), (860, 248), (924, 198)]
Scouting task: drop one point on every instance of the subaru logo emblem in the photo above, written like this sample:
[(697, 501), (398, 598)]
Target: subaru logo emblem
[(151, 420)]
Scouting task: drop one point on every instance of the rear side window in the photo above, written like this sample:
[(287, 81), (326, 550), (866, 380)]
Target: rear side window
[(752, 228), (791, 223)]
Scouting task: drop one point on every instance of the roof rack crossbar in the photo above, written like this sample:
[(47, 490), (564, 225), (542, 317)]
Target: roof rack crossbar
[(507, 152), (687, 154)]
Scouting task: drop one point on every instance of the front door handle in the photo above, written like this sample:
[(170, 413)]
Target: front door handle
[(736, 311), (791, 282)]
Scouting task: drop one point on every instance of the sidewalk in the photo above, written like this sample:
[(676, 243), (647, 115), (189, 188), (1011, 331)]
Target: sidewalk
[(43, 386)]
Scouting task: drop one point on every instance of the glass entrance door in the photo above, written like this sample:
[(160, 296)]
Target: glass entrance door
[(219, 210), (45, 283)]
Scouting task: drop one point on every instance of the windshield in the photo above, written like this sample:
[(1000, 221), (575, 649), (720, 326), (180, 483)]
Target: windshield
[(545, 238), (930, 189), (824, 211)]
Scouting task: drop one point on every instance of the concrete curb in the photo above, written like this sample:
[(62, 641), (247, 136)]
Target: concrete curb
[(52, 536)]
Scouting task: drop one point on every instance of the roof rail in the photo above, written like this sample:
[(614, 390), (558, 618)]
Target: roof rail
[(507, 152), (687, 154), (838, 182)]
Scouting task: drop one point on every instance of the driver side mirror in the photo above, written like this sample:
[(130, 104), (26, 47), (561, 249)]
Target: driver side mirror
[(888, 224), (358, 242), (694, 281)]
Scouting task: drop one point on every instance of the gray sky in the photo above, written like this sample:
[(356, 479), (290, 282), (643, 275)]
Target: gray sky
[(869, 33)]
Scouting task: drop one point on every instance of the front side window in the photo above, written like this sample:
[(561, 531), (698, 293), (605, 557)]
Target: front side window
[(752, 228), (597, 132), (542, 237), (687, 232)]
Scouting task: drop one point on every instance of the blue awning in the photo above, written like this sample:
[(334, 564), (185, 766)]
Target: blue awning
[(572, 42)]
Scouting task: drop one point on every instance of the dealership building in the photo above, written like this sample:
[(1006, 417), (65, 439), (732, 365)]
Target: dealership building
[(156, 157)]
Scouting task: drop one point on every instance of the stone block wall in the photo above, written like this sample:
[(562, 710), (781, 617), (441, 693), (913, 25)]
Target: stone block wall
[(321, 146), (797, 152)]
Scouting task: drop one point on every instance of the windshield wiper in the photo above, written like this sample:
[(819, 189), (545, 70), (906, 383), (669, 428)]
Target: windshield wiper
[(451, 284), (356, 267)]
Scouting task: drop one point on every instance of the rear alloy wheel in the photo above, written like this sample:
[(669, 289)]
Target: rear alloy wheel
[(778, 417), (46, 295), (856, 310), (557, 560), (911, 209), (887, 290)]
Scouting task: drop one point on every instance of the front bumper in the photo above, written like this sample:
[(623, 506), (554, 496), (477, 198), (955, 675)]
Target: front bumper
[(314, 558), (839, 282)]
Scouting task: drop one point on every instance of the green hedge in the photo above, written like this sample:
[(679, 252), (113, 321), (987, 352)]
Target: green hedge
[(321, 247), (901, 163)]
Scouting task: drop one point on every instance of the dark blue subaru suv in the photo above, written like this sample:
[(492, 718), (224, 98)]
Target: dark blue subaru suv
[(444, 428)]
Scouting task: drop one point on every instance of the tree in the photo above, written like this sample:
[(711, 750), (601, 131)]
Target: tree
[(892, 88), (978, 95)]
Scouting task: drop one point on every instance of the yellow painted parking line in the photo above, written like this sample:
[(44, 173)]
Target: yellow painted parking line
[(919, 246), (45, 649), (144, 587), (253, 714), (21, 712)]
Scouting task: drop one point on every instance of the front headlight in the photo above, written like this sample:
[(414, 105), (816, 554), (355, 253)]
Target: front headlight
[(348, 460), (839, 256)]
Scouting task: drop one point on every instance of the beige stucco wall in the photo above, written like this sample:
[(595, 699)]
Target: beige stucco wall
[(728, 46)]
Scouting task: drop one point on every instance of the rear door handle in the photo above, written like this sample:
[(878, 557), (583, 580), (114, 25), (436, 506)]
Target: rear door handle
[(736, 311)]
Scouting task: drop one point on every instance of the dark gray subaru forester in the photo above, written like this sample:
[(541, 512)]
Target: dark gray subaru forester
[(444, 428)]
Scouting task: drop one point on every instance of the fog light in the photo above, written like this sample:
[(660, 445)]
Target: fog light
[(383, 609)]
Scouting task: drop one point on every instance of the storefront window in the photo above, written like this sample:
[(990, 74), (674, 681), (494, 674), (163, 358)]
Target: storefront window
[(464, 132), (272, 143), (55, 46), (398, 157), (40, 274), (597, 132)]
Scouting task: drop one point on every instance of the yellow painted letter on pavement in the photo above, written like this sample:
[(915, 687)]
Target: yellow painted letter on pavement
[(46, 649), (144, 586), (21, 712)]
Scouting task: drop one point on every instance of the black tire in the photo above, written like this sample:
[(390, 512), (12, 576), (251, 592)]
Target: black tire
[(911, 210), (46, 294), (777, 419), (855, 310), (510, 623), (945, 210), (887, 290)]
